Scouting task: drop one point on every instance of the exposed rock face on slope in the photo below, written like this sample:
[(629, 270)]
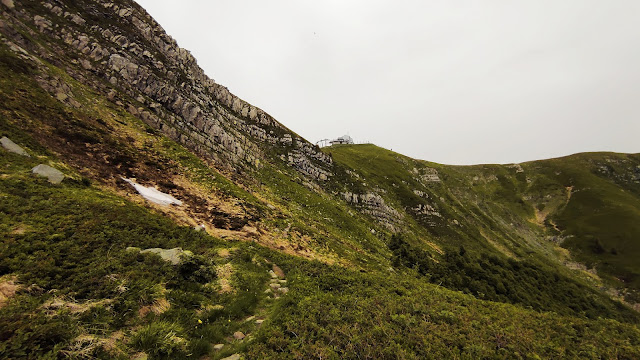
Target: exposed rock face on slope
[(374, 205), (144, 70), (117, 49)]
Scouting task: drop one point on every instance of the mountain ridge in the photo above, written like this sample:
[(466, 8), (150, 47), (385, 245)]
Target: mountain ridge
[(423, 245)]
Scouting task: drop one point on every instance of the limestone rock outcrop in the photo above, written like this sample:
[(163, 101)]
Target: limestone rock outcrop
[(374, 205), (145, 71)]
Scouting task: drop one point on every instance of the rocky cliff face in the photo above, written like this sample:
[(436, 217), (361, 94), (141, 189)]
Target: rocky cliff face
[(121, 52), (118, 49), (374, 205)]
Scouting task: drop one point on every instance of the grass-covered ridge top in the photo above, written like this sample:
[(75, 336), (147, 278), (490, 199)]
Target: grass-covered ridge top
[(586, 203)]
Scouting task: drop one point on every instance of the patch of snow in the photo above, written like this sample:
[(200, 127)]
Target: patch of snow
[(154, 195)]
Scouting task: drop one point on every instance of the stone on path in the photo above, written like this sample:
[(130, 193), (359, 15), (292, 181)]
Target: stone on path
[(276, 270), (13, 147), (140, 356), (55, 176), (218, 346), (238, 335), (232, 357)]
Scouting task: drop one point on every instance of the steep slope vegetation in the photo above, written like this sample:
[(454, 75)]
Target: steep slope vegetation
[(344, 252), (532, 212)]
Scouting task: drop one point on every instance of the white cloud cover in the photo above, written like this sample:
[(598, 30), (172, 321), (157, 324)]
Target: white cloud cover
[(456, 82)]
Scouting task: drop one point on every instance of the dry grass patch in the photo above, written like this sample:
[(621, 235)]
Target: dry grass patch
[(20, 229), (224, 253), (53, 306), (8, 288), (225, 272), (158, 307), (85, 345)]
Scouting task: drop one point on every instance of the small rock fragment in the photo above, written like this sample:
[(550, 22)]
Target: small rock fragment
[(140, 356), (278, 271), (55, 176), (8, 3), (218, 346), (61, 96), (232, 357), (238, 335), (12, 147)]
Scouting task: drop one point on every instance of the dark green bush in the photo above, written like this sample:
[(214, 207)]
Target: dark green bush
[(510, 281)]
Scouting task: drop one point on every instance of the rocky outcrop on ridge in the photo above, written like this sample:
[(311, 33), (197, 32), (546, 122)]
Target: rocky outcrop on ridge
[(144, 70)]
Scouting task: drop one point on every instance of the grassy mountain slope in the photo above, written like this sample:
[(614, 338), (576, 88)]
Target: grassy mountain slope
[(380, 255), (532, 212)]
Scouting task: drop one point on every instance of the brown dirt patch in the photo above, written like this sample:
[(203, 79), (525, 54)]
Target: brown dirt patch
[(8, 288), (20, 230)]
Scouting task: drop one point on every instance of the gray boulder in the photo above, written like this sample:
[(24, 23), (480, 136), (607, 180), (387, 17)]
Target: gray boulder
[(55, 176), (171, 255), (12, 147), (8, 3)]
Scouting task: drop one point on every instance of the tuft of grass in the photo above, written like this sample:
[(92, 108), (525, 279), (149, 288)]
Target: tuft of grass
[(161, 340)]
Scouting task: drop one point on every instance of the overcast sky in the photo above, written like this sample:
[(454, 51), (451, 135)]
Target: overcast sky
[(455, 82)]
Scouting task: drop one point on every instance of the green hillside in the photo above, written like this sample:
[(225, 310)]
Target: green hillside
[(279, 249)]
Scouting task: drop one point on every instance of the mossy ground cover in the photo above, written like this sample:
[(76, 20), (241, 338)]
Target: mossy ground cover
[(72, 246), (335, 313), (68, 243), (603, 219), (67, 246), (334, 227), (595, 207)]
